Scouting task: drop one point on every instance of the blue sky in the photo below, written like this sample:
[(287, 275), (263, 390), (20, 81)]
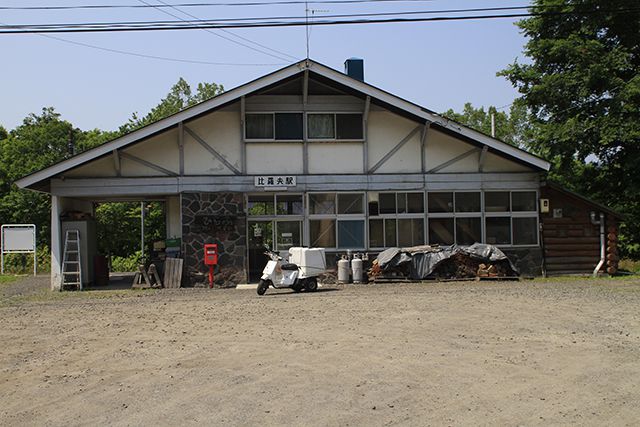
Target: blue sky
[(438, 65)]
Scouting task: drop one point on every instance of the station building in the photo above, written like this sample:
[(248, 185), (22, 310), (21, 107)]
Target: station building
[(311, 156)]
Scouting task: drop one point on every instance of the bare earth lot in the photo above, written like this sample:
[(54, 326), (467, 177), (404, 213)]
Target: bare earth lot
[(527, 353)]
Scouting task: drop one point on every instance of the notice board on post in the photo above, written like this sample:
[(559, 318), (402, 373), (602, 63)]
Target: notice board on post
[(18, 239)]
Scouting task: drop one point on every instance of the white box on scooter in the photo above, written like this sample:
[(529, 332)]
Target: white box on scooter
[(311, 261)]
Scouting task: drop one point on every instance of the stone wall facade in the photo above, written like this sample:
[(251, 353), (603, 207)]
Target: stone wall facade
[(214, 218)]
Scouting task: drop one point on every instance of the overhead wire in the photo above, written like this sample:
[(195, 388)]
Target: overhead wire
[(279, 55), (282, 22), (210, 4), (162, 58)]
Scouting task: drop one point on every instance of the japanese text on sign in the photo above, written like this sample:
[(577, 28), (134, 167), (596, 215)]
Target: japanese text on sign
[(275, 181)]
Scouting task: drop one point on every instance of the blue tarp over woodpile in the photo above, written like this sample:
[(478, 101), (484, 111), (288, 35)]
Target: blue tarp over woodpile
[(424, 262)]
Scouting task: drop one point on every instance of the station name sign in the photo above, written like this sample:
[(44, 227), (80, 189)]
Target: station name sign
[(275, 181)]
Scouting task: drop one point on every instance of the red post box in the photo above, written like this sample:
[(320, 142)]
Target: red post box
[(211, 259)]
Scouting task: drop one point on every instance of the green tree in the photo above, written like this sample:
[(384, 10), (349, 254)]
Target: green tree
[(510, 127), (38, 142), (582, 88), (180, 96)]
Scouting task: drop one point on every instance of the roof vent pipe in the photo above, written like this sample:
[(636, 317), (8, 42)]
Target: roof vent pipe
[(354, 68)]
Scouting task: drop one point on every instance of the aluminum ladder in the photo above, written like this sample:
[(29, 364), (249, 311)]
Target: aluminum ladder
[(71, 262)]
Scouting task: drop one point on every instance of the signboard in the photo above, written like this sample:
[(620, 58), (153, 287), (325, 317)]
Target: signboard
[(275, 181), (213, 223), (18, 239)]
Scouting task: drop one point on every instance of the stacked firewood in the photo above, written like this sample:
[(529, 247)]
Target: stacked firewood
[(458, 266), (461, 266)]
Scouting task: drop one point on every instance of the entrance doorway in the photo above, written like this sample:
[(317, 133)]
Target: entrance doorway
[(278, 235)]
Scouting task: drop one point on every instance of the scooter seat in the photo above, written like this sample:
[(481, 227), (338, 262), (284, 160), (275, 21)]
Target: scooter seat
[(289, 266)]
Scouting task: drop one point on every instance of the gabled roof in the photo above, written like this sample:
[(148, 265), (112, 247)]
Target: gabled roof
[(269, 80)]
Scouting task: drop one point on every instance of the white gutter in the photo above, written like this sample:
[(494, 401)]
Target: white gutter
[(602, 241)]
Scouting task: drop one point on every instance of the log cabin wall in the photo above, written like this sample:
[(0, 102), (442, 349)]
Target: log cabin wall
[(571, 241)]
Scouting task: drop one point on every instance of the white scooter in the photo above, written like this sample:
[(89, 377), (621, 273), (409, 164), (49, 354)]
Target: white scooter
[(301, 272)]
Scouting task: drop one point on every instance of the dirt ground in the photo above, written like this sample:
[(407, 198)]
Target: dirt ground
[(554, 352)]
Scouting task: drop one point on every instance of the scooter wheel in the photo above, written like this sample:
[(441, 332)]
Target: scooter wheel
[(262, 287), (311, 284)]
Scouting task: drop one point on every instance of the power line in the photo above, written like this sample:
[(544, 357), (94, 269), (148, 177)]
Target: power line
[(246, 23), (269, 19), (183, 5), (280, 55), (339, 16), (162, 58)]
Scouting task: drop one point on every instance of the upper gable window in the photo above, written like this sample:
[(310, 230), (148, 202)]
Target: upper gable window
[(340, 126), (273, 126)]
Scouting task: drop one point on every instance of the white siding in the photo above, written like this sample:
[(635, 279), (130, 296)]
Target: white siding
[(104, 167), (332, 158), (494, 163), (221, 130), (274, 158), (161, 150), (385, 131)]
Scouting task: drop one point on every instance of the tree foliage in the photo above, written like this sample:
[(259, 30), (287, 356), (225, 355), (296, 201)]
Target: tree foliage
[(509, 127), (582, 88), (179, 97), (45, 139)]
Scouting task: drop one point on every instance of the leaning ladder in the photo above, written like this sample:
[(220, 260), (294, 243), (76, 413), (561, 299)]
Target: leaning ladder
[(71, 264)]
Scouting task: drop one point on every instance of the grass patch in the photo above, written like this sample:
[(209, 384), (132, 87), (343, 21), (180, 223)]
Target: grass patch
[(6, 278), (47, 296), (629, 265)]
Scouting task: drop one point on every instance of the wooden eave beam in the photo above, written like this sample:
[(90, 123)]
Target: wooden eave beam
[(116, 162), (483, 157)]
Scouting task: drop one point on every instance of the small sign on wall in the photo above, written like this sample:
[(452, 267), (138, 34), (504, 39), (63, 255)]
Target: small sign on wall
[(275, 181)]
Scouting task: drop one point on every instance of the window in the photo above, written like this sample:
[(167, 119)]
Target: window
[(350, 203), (398, 203), (440, 202), (498, 230), (441, 231), (321, 126), (322, 203), (274, 126), (288, 234), (403, 222), (410, 232), (337, 220), (496, 201), (341, 126), (349, 126), (523, 201), (259, 126), (525, 231), (322, 233), (511, 217), (289, 204), (468, 201), (468, 231), (288, 126), (274, 204), (455, 217), (350, 234), (260, 205)]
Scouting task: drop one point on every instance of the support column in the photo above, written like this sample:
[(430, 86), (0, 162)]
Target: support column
[(56, 243)]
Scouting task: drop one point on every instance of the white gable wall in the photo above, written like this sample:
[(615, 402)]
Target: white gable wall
[(222, 131)]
